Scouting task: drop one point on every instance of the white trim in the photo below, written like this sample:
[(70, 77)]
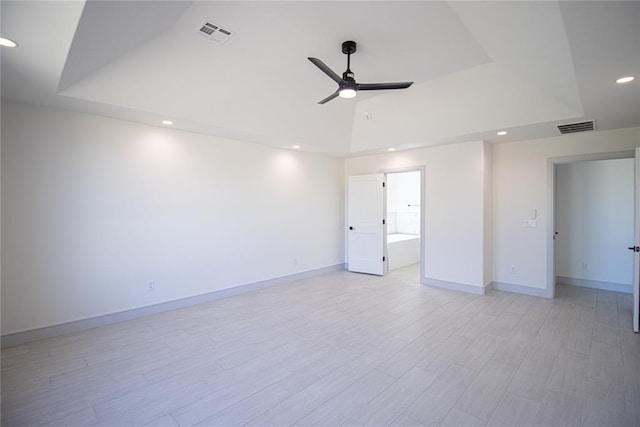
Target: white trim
[(523, 290), (596, 284), (461, 287), (19, 338), (627, 154)]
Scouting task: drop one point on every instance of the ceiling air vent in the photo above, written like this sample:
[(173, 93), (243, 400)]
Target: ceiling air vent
[(577, 127), (214, 32)]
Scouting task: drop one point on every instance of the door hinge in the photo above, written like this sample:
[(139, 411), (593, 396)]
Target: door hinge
[(383, 185), (384, 258), (383, 223)]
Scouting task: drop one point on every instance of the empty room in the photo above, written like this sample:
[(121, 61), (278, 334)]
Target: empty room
[(334, 213)]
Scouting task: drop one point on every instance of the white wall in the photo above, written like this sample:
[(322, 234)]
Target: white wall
[(594, 218), (521, 183), (453, 206), (93, 208), (403, 203)]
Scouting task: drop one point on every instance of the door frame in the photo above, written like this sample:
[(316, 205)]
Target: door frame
[(552, 164), (421, 169)]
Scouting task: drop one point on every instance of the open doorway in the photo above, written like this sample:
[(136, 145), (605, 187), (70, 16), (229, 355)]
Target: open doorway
[(594, 222), (403, 219), (373, 215), (579, 264)]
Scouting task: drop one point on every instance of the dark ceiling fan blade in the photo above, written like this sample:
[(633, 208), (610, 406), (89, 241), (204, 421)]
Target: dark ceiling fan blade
[(383, 86), (328, 71), (330, 97)]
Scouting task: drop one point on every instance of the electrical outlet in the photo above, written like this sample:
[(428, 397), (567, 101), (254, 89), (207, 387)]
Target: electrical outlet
[(151, 285), (513, 269), (295, 261)]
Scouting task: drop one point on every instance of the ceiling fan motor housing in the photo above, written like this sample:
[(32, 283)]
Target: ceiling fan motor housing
[(349, 76)]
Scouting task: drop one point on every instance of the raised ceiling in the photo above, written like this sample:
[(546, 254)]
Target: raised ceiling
[(478, 67)]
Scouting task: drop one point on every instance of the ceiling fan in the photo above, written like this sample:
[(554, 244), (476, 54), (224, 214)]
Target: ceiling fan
[(347, 86)]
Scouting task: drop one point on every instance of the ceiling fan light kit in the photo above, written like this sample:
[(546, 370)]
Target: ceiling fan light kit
[(347, 85), (347, 93)]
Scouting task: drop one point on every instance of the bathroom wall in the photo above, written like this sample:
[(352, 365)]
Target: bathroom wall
[(403, 203)]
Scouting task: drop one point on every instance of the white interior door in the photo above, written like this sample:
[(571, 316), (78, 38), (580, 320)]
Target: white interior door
[(636, 247), (366, 224)]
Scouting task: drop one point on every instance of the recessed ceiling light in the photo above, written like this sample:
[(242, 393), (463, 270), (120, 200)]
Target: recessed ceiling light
[(167, 122), (296, 147), (502, 133), (391, 149), (626, 79), (7, 42)]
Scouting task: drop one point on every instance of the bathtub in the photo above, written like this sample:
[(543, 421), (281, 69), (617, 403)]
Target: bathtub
[(402, 250)]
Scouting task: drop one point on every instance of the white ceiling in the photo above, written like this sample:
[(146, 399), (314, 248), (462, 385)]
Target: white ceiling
[(478, 67)]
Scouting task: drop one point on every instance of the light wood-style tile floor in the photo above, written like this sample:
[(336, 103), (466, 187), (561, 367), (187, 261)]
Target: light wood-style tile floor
[(342, 349)]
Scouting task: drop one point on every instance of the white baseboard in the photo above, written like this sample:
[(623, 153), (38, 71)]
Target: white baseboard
[(454, 286), (596, 284), (19, 338), (523, 290)]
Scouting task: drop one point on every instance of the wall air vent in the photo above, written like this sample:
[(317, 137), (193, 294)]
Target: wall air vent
[(214, 32), (577, 127)]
